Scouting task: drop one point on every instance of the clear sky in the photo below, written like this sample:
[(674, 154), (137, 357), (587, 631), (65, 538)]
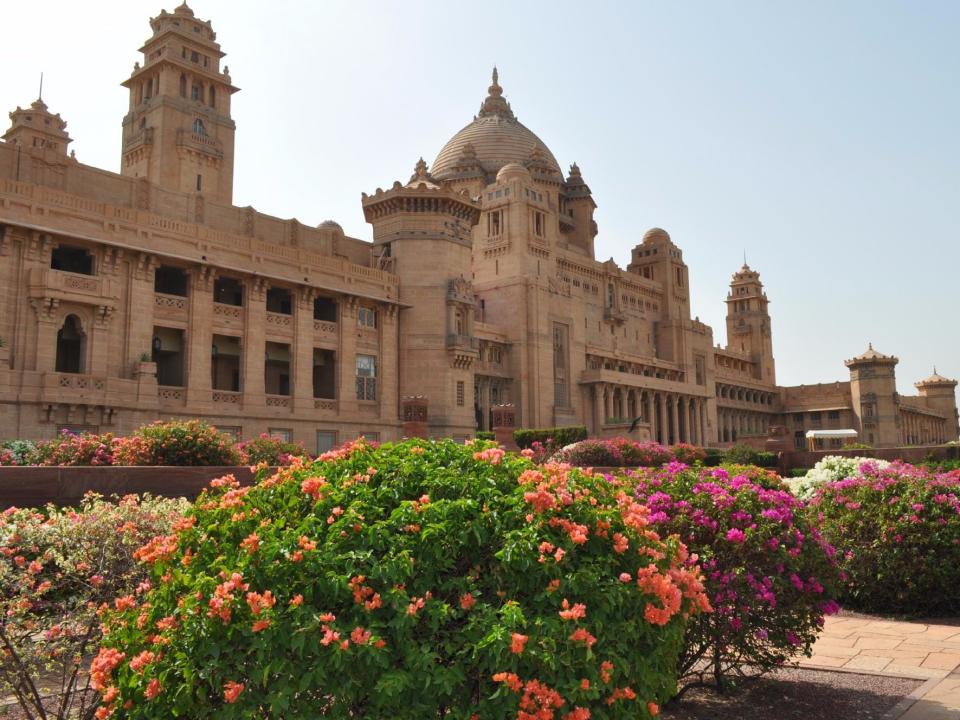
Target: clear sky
[(822, 138)]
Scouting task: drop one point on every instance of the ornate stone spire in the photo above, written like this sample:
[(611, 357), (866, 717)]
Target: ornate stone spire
[(495, 104)]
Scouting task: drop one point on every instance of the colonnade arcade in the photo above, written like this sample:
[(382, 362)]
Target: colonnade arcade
[(672, 417), (919, 428), (733, 423)]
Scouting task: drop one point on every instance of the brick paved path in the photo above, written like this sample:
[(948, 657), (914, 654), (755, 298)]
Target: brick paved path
[(900, 649)]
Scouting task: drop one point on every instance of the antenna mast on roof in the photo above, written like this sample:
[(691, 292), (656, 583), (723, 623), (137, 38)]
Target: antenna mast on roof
[(40, 96)]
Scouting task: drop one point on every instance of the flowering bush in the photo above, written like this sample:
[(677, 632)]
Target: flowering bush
[(897, 528), (407, 581), (56, 568), (269, 450), (176, 442), (75, 449), (769, 575), (623, 452), (830, 469), (17, 452)]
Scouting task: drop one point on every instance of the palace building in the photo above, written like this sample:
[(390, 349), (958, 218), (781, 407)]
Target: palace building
[(148, 294)]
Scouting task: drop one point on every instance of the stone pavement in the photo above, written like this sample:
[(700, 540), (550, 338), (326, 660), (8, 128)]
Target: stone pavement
[(898, 649)]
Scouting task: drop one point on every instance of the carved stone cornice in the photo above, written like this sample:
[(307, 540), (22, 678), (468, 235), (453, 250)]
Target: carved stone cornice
[(39, 245), (144, 265), (45, 307)]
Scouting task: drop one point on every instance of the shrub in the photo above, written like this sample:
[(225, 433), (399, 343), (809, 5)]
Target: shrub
[(688, 454), (485, 435), (75, 449), (623, 452), (769, 574), (56, 568), (829, 469), (17, 452), (714, 456), (592, 453), (560, 436), (269, 450), (176, 442), (857, 446), (746, 455), (898, 530), (408, 581)]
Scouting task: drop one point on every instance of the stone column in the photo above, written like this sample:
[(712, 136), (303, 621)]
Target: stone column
[(347, 357), (703, 422), (692, 420), (597, 391), (46, 329), (98, 338), (674, 429), (254, 343), (607, 403), (199, 337), (302, 351), (141, 307), (662, 419)]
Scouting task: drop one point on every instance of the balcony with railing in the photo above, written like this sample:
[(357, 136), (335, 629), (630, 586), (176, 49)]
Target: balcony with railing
[(200, 142)]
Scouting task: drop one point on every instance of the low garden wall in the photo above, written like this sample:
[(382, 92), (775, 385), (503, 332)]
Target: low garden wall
[(37, 486), (806, 459)]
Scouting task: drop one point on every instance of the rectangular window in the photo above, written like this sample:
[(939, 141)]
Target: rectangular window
[(561, 335), (234, 431), (815, 418), (798, 418), (370, 435), (460, 393), (833, 415), (366, 317), (700, 370), (199, 183), (366, 377), (539, 226), (493, 223), (326, 440), (283, 434)]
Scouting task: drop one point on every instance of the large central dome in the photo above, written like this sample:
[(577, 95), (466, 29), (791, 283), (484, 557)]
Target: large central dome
[(494, 139)]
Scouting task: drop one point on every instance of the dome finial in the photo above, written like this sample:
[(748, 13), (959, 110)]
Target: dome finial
[(870, 346), (495, 104)]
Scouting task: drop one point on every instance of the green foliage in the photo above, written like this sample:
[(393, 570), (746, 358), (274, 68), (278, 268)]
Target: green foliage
[(857, 446), (558, 436), (897, 530), (713, 456), (485, 435), (18, 452), (746, 455), (56, 568), (399, 582)]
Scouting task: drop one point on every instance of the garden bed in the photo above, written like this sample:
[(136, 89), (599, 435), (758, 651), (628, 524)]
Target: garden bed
[(797, 694), (65, 486)]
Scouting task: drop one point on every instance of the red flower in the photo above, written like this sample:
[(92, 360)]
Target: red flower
[(231, 691), (517, 643)]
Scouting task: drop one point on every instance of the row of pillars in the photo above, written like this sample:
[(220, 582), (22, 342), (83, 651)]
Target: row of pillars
[(917, 429), (673, 418), (732, 424)]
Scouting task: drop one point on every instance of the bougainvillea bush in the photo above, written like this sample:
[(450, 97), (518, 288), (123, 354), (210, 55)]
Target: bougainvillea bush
[(56, 568), (830, 469), (75, 449), (623, 452), (270, 451), (408, 581), (897, 528), (176, 442), (769, 574)]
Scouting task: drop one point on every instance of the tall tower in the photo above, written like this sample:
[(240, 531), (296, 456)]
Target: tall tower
[(940, 395), (873, 394), (426, 232), (178, 133), (748, 322)]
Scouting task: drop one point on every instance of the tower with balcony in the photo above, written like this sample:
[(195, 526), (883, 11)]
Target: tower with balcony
[(178, 133)]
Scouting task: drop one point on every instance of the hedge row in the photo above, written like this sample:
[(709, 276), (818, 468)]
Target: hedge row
[(557, 436)]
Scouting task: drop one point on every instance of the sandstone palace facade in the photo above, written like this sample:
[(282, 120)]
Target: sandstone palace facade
[(146, 294)]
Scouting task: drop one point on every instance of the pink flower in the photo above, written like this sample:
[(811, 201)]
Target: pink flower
[(736, 535)]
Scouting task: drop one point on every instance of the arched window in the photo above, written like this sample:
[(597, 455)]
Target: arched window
[(196, 93), (198, 128), (183, 85), (213, 96), (70, 343)]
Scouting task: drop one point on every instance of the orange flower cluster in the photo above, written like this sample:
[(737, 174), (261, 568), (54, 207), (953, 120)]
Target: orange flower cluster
[(364, 595), (307, 544), (159, 549), (581, 635), (360, 636), (126, 602), (578, 533), (576, 612), (517, 643), (223, 596), (652, 582), (103, 666), (251, 543), (416, 604), (258, 603), (315, 487), (231, 691), (233, 498), (493, 455), (620, 543), (225, 481), (140, 661), (467, 601), (621, 694), (538, 701)]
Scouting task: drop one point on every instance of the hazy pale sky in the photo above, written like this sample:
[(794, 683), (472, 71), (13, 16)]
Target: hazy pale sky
[(822, 138)]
